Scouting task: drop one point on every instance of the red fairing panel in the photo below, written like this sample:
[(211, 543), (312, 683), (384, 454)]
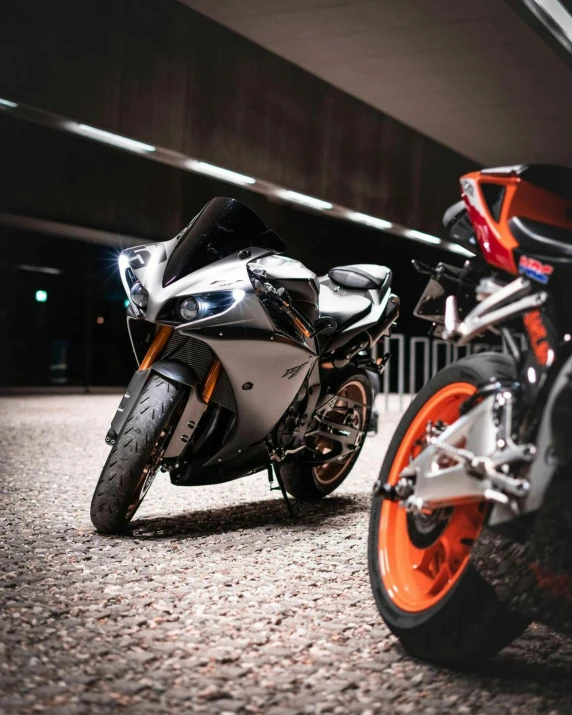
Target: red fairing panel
[(495, 248)]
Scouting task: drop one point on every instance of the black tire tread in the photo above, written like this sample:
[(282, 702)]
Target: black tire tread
[(130, 453), (469, 623)]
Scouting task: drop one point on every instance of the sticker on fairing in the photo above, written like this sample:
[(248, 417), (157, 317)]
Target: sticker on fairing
[(532, 268), (139, 256)]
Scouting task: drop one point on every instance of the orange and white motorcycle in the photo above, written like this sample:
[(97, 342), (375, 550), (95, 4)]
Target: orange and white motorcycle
[(471, 523)]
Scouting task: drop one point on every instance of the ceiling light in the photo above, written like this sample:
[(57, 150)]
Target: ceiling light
[(369, 220), (558, 14), (411, 233), (114, 139), (220, 173), (8, 103), (305, 200), (40, 269), (459, 249)]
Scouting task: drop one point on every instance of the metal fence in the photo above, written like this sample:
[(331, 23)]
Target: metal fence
[(420, 359)]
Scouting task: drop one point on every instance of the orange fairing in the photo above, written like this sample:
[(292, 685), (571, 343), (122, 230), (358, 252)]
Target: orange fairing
[(418, 578), (521, 199)]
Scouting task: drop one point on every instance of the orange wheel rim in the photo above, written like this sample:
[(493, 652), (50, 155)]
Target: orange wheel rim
[(418, 578), (327, 473)]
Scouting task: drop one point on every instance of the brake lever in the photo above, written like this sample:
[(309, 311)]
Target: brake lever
[(423, 268), (278, 296)]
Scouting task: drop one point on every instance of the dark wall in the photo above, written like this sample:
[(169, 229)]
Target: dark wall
[(157, 71), (71, 179), (78, 335)]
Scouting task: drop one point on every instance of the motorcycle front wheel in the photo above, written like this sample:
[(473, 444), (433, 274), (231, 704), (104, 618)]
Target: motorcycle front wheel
[(424, 585), (135, 457)]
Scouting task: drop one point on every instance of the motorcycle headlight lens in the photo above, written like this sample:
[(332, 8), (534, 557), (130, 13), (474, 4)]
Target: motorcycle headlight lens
[(139, 296), (188, 309)]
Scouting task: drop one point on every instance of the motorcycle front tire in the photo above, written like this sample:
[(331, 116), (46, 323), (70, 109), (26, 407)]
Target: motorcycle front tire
[(135, 456)]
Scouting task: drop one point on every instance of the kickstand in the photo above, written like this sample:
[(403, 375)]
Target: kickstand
[(280, 486)]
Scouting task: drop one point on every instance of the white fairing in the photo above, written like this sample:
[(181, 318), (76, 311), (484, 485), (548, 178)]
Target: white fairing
[(265, 367)]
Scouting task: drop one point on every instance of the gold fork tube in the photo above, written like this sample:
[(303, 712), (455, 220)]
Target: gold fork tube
[(156, 348), (211, 380)]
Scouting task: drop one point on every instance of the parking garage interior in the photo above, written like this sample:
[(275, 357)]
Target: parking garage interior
[(346, 125)]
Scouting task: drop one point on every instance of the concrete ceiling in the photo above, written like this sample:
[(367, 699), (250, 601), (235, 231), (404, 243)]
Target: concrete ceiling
[(469, 73)]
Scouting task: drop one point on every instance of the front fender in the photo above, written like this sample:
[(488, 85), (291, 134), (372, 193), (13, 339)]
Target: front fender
[(169, 369), (176, 371)]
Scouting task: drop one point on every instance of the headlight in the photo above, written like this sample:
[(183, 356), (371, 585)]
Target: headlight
[(205, 305), (188, 309), (139, 296)]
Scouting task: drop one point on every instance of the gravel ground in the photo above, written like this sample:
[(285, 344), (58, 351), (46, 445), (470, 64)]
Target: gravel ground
[(217, 602)]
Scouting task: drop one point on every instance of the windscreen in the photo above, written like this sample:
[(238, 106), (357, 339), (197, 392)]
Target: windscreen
[(223, 227)]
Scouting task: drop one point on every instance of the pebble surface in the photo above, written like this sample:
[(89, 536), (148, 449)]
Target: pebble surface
[(216, 602)]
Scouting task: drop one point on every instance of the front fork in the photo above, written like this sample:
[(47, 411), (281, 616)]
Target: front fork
[(199, 395), (191, 415), (162, 337)]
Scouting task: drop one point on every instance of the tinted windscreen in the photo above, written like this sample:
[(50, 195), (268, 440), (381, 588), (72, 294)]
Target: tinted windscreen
[(223, 227)]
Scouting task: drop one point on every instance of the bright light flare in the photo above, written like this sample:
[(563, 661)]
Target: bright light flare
[(123, 263)]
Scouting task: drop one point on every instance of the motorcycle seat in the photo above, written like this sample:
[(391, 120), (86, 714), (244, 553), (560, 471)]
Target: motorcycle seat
[(541, 239), (361, 276), (344, 309)]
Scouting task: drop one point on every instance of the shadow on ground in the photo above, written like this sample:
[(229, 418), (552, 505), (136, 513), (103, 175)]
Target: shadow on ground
[(253, 515), (509, 670)]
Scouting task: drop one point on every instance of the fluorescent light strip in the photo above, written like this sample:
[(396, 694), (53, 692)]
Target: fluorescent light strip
[(558, 14), (219, 173), (113, 139), (303, 199), (420, 236), (369, 220), (40, 269), (176, 159)]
